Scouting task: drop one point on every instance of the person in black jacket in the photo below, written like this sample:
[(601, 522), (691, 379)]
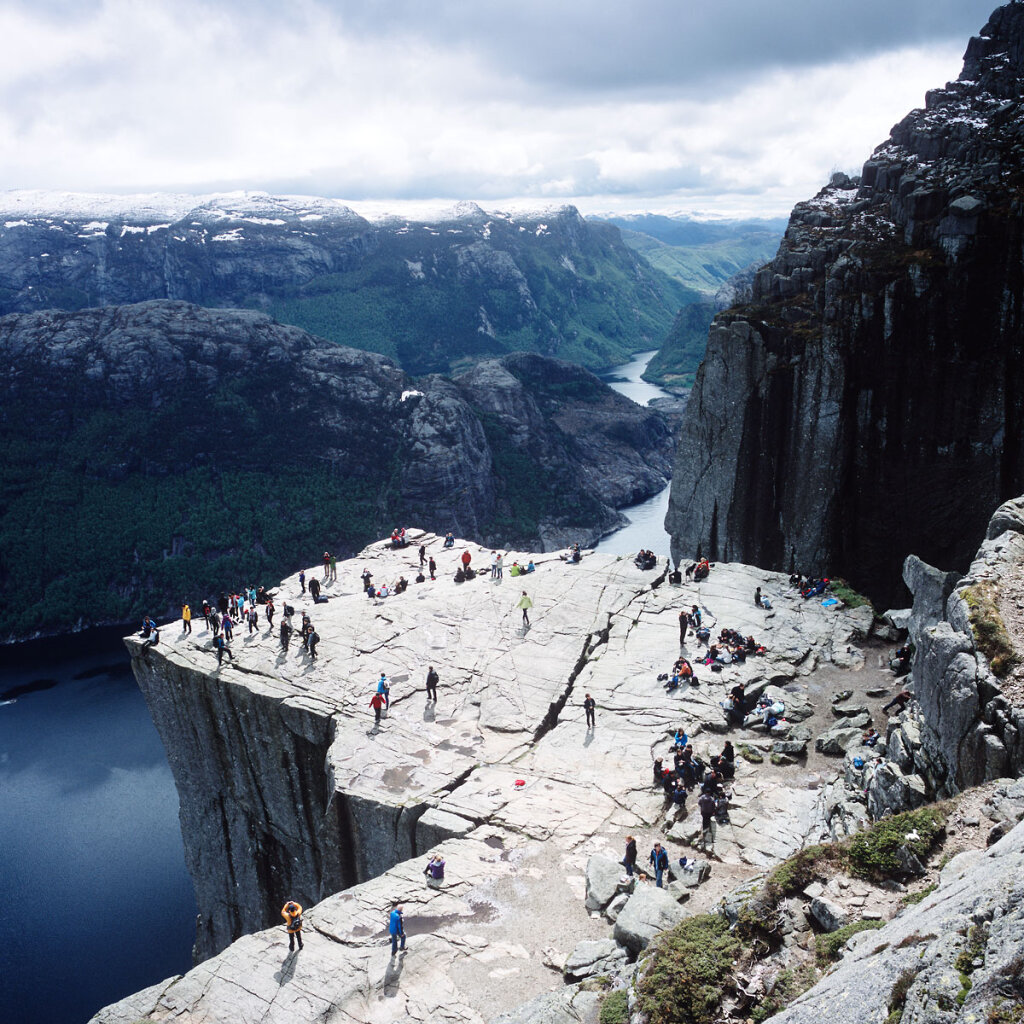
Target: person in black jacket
[(659, 861), (432, 680), (588, 707), (629, 861)]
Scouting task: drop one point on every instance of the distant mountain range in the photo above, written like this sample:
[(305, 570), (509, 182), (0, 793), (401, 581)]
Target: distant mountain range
[(435, 296)]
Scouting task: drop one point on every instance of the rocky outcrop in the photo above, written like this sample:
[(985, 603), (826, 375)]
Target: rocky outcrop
[(432, 295), (954, 957), (867, 400), (204, 446), (967, 722), (287, 790)]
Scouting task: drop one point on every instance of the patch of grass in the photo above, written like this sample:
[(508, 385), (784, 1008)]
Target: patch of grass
[(974, 950), (827, 947), (850, 597), (804, 867), (989, 629), (615, 1008), (750, 754), (1006, 1012), (898, 996), (873, 852), (690, 969), (913, 898)]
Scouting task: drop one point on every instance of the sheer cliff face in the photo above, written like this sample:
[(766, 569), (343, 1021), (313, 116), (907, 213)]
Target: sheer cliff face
[(200, 449), (867, 400)]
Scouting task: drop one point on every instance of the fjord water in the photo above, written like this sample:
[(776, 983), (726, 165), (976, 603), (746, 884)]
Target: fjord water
[(97, 901), (646, 527)]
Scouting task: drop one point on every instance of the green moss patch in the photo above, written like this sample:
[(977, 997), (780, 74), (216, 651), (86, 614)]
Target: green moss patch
[(850, 597), (615, 1008), (989, 629), (827, 947)]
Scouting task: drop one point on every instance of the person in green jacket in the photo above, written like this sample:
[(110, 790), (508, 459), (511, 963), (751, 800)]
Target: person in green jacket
[(526, 604)]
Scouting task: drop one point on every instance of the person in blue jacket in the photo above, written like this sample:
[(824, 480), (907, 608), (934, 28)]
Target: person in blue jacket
[(396, 926), (659, 860)]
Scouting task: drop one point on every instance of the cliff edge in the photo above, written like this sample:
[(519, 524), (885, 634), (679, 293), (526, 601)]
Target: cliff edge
[(867, 400)]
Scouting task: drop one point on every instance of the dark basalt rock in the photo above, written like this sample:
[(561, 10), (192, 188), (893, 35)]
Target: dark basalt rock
[(868, 399)]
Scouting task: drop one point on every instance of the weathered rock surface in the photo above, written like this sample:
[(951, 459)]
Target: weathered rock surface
[(843, 416), (600, 956), (966, 723), (130, 408), (912, 964), (604, 882), (828, 914), (358, 809)]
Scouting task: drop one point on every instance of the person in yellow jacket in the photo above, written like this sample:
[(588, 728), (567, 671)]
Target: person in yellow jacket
[(186, 618), (292, 914), (526, 604)]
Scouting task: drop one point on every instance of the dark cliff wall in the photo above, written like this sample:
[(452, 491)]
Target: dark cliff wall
[(160, 452), (868, 400), (434, 297)]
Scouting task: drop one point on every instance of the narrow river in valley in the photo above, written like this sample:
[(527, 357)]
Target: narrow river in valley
[(646, 528)]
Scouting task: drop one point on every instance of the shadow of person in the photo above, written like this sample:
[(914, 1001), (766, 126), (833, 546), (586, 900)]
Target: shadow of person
[(429, 713), (287, 969), (393, 974), (589, 738)]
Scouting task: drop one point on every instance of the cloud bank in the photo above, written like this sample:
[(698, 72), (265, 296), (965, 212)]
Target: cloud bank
[(735, 107)]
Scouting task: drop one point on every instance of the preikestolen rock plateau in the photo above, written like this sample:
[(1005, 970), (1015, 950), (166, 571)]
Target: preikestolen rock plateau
[(289, 791)]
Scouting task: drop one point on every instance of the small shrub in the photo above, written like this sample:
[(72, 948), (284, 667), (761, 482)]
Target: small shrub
[(989, 629), (690, 968), (975, 949), (850, 597), (873, 852), (827, 947), (916, 897), (804, 867), (615, 1008), (898, 996), (1006, 1012)]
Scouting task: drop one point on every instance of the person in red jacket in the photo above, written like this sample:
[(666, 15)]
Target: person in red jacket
[(377, 703)]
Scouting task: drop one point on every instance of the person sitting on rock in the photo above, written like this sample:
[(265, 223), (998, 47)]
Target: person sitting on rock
[(727, 760), (679, 795), (449, 540), (658, 771), (870, 738), (435, 871), (702, 571), (530, 567), (384, 591), (681, 739), (402, 585)]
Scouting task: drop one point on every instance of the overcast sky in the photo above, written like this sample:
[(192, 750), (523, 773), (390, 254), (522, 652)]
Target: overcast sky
[(729, 106)]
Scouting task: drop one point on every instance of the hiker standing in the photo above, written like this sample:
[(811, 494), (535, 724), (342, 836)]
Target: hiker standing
[(327, 565), (396, 927), (186, 618), (526, 604), (659, 861), (334, 567), (432, 680), (684, 622), (222, 648), (286, 635), (377, 703), (302, 579), (500, 565), (433, 568), (629, 861), (423, 555), (588, 707), (314, 639), (292, 914), (708, 807), (270, 612)]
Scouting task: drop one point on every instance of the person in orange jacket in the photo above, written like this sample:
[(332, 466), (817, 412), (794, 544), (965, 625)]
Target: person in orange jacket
[(292, 914)]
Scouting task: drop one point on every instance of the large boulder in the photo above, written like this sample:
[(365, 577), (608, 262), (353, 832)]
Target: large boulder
[(604, 882), (890, 790), (829, 915), (838, 740), (599, 956), (649, 911)]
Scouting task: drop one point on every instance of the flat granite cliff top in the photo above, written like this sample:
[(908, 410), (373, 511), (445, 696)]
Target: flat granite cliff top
[(509, 708)]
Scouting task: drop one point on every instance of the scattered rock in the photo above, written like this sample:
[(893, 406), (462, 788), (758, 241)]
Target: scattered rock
[(844, 710), (614, 908), (794, 748), (604, 882), (837, 740), (829, 915)]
